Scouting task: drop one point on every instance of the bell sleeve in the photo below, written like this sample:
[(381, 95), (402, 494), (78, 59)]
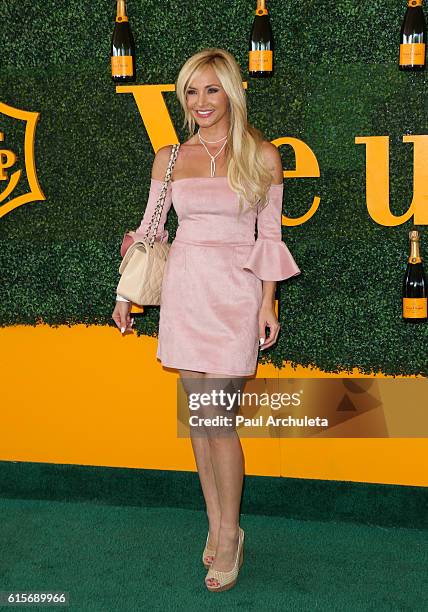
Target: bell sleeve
[(270, 259), (162, 233)]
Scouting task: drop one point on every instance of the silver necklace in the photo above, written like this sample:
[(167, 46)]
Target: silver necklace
[(212, 156), (211, 141)]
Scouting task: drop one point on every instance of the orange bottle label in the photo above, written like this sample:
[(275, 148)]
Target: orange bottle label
[(412, 53), (415, 308), (261, 60), (121, 65), (414, 3), (122, 18), (135, 308)]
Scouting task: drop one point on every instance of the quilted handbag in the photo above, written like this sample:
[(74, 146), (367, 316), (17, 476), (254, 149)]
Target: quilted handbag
[(143, 264)]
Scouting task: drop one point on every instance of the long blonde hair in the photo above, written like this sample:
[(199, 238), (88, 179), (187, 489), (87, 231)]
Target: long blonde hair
[(247, 173)]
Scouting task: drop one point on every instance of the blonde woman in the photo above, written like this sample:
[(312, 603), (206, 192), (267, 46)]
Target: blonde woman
[(219, 281)]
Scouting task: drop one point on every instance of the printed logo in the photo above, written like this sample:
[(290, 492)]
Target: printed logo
[(10, 175)]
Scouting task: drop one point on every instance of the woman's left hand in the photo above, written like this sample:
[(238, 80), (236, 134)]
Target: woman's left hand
[(267, 318)]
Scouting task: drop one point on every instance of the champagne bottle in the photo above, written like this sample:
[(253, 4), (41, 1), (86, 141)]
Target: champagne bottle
[(122, 47), (413, 37), (277, 301), (415, 284), (261, 45)]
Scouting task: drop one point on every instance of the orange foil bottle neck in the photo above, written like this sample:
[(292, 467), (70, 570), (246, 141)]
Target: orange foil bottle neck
[(415, 256), (121, 15), (261, 8)]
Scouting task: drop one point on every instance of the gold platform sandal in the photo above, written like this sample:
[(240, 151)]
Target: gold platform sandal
[(208, 554), (228, 579)]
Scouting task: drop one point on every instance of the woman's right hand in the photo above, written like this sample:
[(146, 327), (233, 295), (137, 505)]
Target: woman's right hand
[(128, 239), (122, 316)]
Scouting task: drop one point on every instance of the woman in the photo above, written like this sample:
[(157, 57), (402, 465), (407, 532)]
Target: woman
[(219, 282)]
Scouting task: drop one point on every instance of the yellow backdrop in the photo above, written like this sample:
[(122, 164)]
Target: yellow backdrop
[(88, 396)]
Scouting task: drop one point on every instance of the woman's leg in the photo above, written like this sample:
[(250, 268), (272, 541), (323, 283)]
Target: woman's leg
[(228, 466), (202, 453)]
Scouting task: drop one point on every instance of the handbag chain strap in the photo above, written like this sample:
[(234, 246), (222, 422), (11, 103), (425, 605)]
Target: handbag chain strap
[(154, 221)]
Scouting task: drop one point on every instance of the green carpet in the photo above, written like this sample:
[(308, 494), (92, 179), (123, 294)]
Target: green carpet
[(120, 558), (300, 498)]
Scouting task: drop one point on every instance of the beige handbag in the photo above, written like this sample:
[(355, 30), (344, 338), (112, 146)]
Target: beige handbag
[(143, 264)]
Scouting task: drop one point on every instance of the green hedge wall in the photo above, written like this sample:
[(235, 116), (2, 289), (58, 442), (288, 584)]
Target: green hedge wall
[(336, 77)]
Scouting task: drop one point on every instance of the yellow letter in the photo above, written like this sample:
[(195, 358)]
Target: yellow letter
[(306, 166), (377, 180)]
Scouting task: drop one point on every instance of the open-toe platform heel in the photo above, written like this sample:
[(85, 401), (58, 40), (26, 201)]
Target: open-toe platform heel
[(208, 554), (226, 580)]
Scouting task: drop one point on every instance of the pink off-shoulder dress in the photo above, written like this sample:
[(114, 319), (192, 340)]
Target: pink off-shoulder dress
[(212, 284)]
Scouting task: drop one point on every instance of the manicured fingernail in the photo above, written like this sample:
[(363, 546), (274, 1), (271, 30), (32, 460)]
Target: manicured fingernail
[(122, 329), (261, 340), (132, 321)]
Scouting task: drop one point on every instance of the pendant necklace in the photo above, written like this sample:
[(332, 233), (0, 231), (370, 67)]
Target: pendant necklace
[(212, 156)]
